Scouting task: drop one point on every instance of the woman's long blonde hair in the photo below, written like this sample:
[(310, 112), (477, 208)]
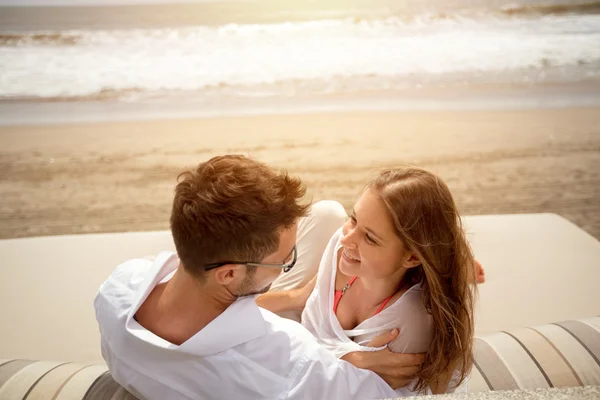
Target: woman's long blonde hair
[(427, 221)]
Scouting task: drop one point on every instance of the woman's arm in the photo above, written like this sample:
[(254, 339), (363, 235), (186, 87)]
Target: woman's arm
[(287, 300)]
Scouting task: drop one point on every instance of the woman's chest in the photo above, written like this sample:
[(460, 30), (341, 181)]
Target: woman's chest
[(349, 306), (352, 311)]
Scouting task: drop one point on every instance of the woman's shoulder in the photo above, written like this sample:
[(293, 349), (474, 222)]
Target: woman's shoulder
[(411, 297), (416, 327), (411, 308)]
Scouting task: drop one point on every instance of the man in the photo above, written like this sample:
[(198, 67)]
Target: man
[(186, 326)]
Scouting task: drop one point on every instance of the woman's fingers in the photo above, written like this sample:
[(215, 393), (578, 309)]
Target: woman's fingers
[(384, 339), (477, 275), (479, 272)]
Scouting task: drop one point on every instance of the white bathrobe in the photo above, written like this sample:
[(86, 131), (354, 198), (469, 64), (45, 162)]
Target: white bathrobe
[(408, 314)]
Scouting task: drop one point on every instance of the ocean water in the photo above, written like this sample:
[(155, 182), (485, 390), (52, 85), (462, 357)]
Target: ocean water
[(267, 50)]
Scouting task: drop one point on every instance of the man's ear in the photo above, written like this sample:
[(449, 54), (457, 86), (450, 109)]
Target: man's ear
[(226, 274), (412, 261)]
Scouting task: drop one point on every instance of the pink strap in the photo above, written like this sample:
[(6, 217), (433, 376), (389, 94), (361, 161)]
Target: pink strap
[(382, 306), (340, 293)]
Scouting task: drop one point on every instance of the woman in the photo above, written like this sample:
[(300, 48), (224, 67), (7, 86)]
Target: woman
[(400, 261)]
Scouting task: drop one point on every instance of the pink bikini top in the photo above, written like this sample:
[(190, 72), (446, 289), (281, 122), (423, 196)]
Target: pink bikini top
[(340, 293)]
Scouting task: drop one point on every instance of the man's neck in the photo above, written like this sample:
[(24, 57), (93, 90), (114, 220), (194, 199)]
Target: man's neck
[(178, 309)]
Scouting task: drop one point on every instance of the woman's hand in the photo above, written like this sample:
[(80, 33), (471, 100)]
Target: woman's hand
[(478, 273), (397, 369)]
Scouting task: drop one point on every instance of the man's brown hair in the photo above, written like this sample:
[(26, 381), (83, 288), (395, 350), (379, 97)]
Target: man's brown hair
[(232, 208)]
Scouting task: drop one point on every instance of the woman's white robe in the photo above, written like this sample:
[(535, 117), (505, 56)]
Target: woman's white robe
[(408, 314)]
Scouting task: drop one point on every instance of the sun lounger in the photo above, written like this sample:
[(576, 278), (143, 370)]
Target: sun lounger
[(542, 271)]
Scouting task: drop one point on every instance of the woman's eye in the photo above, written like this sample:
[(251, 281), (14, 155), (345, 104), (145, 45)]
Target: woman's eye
[(353, 220), (369, 239)]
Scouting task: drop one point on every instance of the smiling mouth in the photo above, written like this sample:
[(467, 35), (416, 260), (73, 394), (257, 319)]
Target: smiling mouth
[(348, 256)]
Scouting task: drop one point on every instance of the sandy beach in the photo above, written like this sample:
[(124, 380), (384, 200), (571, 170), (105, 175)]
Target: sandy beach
[(108, 177)]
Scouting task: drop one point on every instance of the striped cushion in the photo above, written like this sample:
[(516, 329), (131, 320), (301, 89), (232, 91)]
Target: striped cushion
[(36, 380), (554, 355)]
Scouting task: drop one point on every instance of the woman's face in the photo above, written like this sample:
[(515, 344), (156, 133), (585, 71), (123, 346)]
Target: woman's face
[(370, 247)]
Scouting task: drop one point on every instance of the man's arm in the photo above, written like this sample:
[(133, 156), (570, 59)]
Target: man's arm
[(321, 375), (397, 369)]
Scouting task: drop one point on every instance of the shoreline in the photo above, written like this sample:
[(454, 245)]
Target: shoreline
[(180, 106), (119, 176)]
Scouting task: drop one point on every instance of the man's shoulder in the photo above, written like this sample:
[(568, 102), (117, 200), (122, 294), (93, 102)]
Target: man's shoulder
[(129, 274), (310, 370), (293, 341), (285, 348), (291, 338), (124, 281), (277, 325)]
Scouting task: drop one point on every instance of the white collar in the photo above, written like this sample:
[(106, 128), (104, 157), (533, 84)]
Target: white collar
[(241, 322)]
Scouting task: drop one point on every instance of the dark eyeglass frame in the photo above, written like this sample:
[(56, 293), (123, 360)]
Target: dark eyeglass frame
[(285, 266)]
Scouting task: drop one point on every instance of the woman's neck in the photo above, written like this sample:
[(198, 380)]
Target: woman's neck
[(376, 290)]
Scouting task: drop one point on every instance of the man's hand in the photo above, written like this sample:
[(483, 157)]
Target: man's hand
[(397, 369), (384, 339)]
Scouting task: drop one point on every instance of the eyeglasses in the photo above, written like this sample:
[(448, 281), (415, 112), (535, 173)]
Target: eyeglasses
[(285, 266)]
